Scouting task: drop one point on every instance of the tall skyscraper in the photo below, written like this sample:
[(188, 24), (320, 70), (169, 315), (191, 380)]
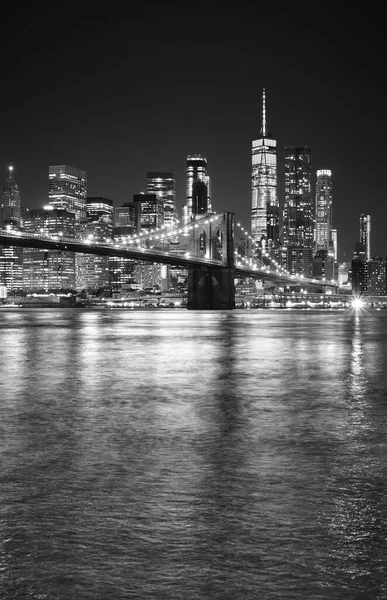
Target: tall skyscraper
[(10, 203), (298, 208), (68, 190), (152, 213), (11, 257), (365, 234), (99, 208), (163, 185), (48, 269), (198, 191), (323, 223), (92, 271), (265, 205), (298, 211)]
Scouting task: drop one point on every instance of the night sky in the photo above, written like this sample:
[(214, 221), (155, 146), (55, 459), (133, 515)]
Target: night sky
[(122, 92)]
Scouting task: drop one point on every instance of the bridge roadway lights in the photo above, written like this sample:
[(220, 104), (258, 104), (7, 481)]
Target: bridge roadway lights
[(211, 288)]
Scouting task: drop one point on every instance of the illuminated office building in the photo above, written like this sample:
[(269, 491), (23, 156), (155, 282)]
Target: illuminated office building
[(10, 203), (68, 190), (298, 211), (48, 269), (365, 234), (127, 222), (152, 211), (323, 222), (265, 205), (127, 219), (163, 185), (298, 208), (10, 256), (198, 188), (99, 208), (92, 270), (376, 277)]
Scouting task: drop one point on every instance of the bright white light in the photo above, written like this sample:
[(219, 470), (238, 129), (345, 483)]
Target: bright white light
[(358, 303)]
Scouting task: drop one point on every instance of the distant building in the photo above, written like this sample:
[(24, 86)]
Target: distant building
[(127, 219), (10, 203), (376, 277), (10, 217), (99, 208), (92, 270), (265, 205), (343, 273), (359, 271), (163, 185), (299, 260), (48, 269), (198, 187), (298, 207), (365, 234), (323, 223), (152, 212), (68, 190)]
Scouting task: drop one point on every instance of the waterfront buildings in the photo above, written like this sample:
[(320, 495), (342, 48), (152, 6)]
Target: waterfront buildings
[(198, 188), (99, 209), (365, 234), (323, 218), (151, 211), (68, 190), (163, 185), (48, 269), (325, 237), (11, 257), (10, 202), (376, 277), (298, 211), (92, 271), (265, 205)]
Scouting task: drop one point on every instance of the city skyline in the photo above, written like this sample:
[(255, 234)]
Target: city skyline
[(117, 123)]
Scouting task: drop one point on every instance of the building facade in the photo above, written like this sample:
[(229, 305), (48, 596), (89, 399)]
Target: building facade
[(91, 270), (68, 190), (298, 207), (10, 202), (163, 185), (265, 205), (11, 257), (376, 277), (365, 234), (198, 186), (151, 211), (323, 212), (48, 270)]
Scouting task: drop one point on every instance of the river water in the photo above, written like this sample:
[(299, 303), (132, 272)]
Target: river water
[(193, 455)]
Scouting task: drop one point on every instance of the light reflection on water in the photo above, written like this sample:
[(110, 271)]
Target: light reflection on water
[(189, 455)]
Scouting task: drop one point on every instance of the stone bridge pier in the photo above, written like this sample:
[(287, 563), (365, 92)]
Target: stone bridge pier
[(212, 287)]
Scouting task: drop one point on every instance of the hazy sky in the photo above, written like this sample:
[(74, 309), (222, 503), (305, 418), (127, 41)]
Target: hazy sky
[(119, 93)]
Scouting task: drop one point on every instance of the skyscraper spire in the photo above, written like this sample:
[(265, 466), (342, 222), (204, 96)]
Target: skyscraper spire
[(11, 176), (10, 209), (263, 113)]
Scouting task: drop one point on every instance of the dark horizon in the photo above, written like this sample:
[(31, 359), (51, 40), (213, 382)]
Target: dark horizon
[(119, 95)]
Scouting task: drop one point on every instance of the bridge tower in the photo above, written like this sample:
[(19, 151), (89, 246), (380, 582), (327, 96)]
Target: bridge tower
[(212, 287)]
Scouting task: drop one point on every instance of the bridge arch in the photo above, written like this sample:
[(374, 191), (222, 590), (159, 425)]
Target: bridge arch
[(213, 237)]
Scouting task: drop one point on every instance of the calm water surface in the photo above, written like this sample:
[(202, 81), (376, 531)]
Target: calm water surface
[(193, 455)]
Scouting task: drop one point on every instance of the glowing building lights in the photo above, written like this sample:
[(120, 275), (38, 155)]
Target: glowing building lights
[(198, 190), (265, 205), (68, 189)]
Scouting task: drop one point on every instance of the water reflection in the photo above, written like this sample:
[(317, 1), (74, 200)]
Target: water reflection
[(356, 481), (358, 378), (192, 455)]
